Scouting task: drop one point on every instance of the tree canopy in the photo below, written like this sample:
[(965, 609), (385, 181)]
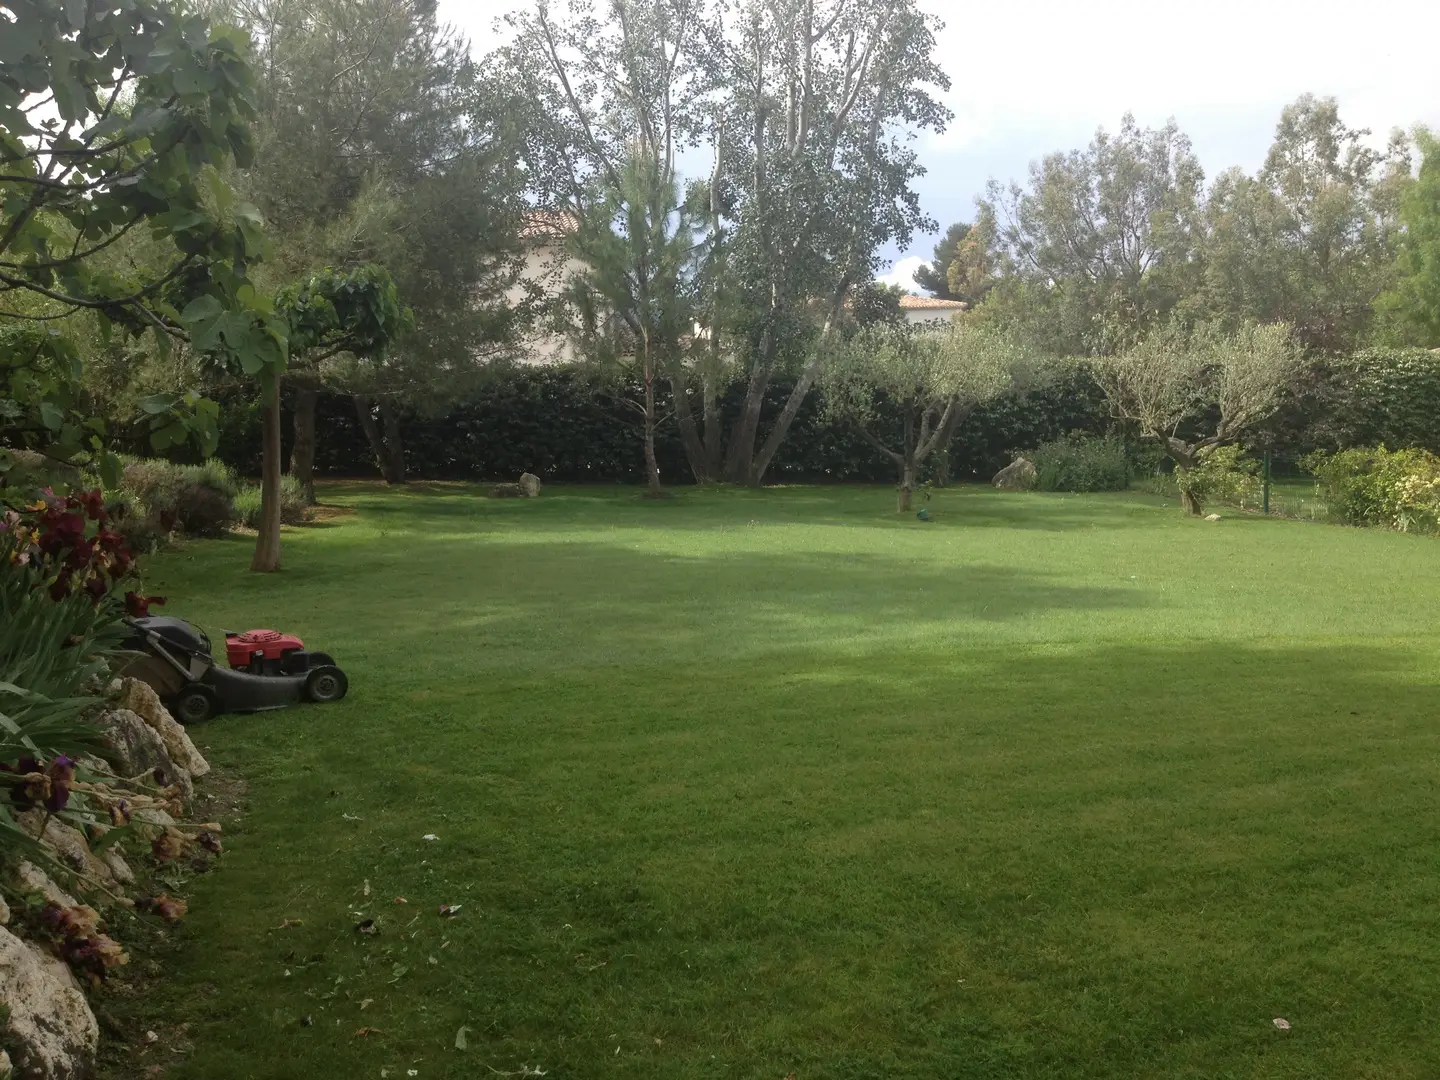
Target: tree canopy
[(933, 378), (118, 119), (1415, 297)]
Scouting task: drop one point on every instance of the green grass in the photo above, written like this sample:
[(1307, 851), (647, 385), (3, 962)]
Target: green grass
[(743, 784)]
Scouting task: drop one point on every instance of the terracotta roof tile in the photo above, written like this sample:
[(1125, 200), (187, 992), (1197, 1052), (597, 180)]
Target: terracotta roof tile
[(930, 303)]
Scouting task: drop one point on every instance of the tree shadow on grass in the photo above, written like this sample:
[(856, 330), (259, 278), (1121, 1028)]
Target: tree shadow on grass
[(611, 600), (718, 508)]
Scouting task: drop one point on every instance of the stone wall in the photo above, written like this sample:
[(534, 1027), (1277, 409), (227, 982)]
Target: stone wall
[(146, 781)]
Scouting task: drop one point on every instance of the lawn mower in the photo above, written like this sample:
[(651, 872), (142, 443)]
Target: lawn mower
[(268, 669)]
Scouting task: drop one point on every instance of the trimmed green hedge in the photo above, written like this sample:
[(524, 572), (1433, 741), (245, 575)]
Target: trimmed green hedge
[(556, 423)]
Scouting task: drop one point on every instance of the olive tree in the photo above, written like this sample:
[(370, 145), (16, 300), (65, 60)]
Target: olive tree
[(934, 379), (1194, 391)]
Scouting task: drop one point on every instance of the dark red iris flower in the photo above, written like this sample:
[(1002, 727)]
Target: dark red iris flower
[(61, 772), (93, 502)]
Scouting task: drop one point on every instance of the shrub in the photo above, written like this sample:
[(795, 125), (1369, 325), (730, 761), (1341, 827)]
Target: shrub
[(1082, 463), (1224, 474), (292, 503), (161, 496), (1397, 489)]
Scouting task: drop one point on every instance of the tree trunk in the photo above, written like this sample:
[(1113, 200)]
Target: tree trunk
[(1185, 457), (781, 427), (365, 413), (302, 454), (689, 436), (394, 448), (267, 544), (714, 451), (907, 460), (907, 485), (1189, 500), (782, 423), (652, 467), (742, 439)]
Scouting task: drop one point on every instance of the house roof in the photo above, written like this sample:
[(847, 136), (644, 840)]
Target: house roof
[(909, 302), (549, 225)]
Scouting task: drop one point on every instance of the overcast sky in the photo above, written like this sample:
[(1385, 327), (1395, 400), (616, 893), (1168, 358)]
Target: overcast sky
[(1041, 75)]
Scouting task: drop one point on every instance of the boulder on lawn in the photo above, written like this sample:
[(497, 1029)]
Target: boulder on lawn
[(1019, 475), (136, 749), (507, 491), (51, 1034), (529, 485), (141, 699)]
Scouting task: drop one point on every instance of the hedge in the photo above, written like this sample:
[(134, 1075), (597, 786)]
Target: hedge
[(556, 423)]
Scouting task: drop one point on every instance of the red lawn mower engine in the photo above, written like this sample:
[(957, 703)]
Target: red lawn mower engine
[(269, 652)]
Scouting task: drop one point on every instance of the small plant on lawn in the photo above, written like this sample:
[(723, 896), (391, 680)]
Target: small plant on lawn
[(162, 497), (293, 503), (1221, 474), (1082, 463)]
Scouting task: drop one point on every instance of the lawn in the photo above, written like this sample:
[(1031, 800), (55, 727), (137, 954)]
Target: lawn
[(746, 784)]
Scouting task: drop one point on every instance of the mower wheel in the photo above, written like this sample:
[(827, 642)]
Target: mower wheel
[(195, 704), (326, 684)]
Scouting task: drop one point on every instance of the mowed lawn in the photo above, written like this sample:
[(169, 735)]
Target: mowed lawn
[(752, 784)]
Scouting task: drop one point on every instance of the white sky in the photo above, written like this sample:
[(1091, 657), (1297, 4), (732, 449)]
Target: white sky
[(1041, 75)]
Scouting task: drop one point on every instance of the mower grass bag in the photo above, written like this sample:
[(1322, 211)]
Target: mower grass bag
[(268, 670)]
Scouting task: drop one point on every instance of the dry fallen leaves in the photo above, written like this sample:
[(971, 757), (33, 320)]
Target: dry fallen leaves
[(288, 923), (361, 1032), (1281, 1023), (365, 1003)]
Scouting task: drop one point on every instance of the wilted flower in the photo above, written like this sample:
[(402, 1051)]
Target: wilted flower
[(169, 846), (81, 921), (95, 956), (165, 906), (138, 607), (210, 842), (34, 789), (120, 813), (61, 774)]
